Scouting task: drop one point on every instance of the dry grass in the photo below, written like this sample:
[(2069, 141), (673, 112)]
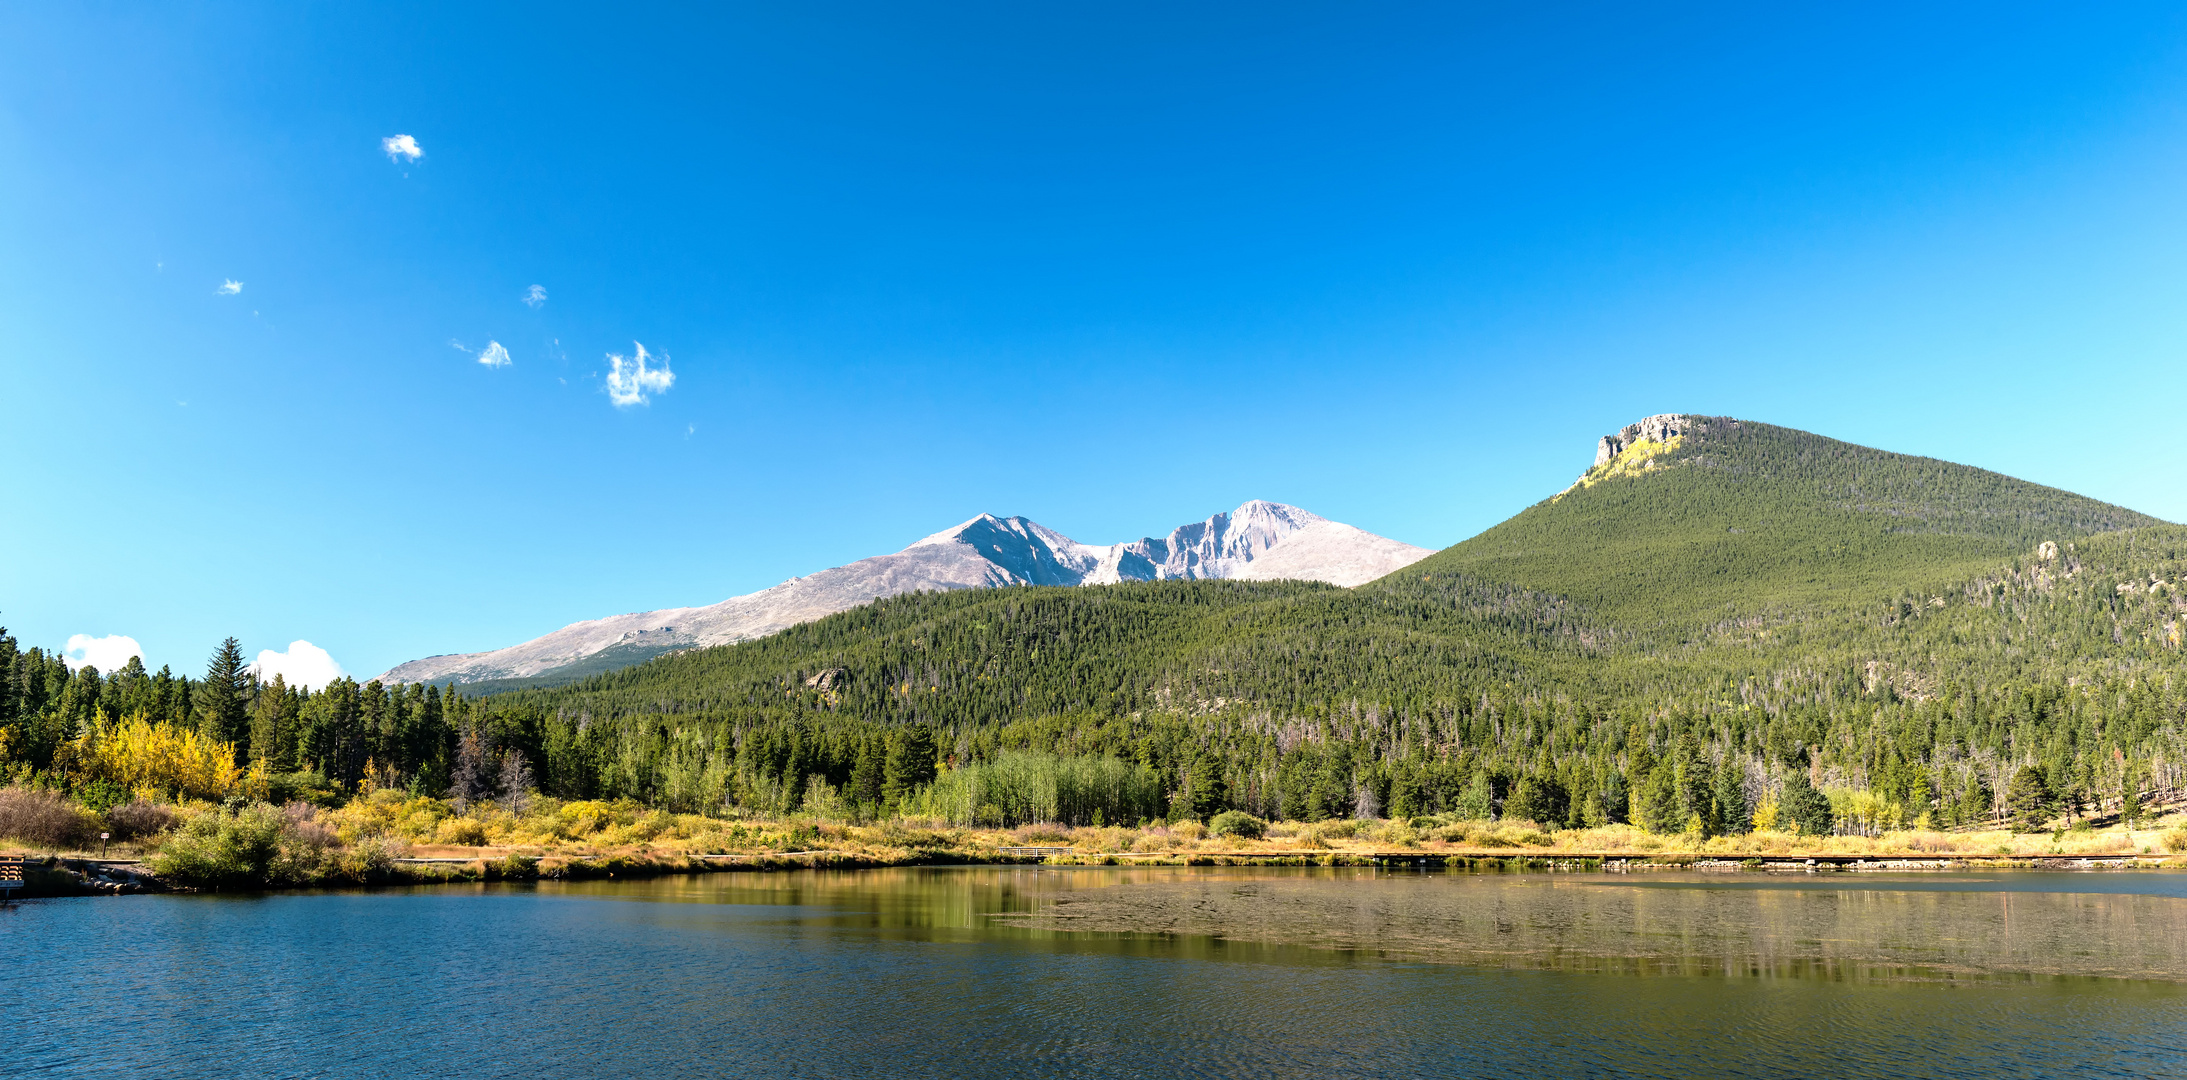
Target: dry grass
[(44, 819), (431, 828)]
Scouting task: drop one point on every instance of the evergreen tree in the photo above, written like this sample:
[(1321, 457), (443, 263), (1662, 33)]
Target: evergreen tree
[(1660, 808), (268, 737), (1804, 806), (1615, 801), (1408, 794), (1204, 792), (868, 775), (1540, 798), (1975, 803), (1696, 788), (1478, 801), (223, 699), (80, 699), (910, 765), (10, 703), (127, 689), (170, 697), (1731, 797), (2030, 799)]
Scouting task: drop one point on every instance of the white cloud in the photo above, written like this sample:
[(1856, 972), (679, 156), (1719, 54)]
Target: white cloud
[(629, 380), (535, 296), (493, 355), (399, 147), (107, 653), (229, 288), (305, 665)]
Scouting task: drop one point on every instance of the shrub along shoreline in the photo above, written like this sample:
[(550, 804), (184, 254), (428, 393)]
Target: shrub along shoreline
[(390, 838)]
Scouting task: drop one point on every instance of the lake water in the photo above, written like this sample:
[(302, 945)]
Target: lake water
[(1156, 972)]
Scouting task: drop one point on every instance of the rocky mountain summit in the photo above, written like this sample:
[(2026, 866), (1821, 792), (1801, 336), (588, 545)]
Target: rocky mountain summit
[(1259, 541), (1661, 429)]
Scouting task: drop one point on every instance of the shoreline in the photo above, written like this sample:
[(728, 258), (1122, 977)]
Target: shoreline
[(58, 876)]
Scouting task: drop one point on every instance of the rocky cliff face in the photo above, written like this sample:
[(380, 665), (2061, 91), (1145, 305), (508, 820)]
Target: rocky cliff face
[(1661, 428), (1257, 541), (1223, 546)]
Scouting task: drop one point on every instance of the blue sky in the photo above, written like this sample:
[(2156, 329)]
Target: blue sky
[(1111, 267)]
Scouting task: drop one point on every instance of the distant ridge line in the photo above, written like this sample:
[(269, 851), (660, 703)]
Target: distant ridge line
[(1257, 541)]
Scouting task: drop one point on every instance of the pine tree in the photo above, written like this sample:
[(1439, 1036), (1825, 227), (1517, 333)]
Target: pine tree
[(266, 726), (1975, 803), (1806, 807), (2030, 799), (1204, 791), (1731, 797), (223, 699), (868, 774), (10, 696), (1696, 789), (1477, 802), (125, 689), (910, 763), (1616, 808), (1660, 811), (1538, 798), (170, 697)]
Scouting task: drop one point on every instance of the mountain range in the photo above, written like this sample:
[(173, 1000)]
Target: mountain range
[(1698, 561), (1712, 603), (1258, 541)]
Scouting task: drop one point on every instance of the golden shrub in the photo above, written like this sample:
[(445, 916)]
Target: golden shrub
[(467, 832), (158, 760)]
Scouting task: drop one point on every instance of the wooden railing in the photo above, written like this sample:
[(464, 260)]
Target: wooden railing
[(12, 875)]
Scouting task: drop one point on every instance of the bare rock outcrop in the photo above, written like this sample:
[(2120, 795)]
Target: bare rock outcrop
[(1660, 428)]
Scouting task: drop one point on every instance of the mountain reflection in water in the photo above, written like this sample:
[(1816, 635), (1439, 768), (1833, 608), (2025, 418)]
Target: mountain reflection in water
[(1151, 972)]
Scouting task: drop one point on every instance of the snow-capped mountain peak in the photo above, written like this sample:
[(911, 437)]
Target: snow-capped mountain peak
[(1257, 541)]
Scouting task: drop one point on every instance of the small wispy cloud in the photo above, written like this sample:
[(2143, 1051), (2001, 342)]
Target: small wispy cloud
[(229, 287), (108, 653), (304, 665), (631, 382), (493, 355), (402, 147), (535, 296)]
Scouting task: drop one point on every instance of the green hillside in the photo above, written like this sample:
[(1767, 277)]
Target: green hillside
[(1749, 594), (1740, 609), (1306, 700), (1732, 518)]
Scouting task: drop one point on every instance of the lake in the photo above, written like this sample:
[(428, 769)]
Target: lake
[(1119, 972)]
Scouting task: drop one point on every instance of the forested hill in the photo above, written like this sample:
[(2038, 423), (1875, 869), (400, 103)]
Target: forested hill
[(1755, 596), (1718, 606), (1716, 518)]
